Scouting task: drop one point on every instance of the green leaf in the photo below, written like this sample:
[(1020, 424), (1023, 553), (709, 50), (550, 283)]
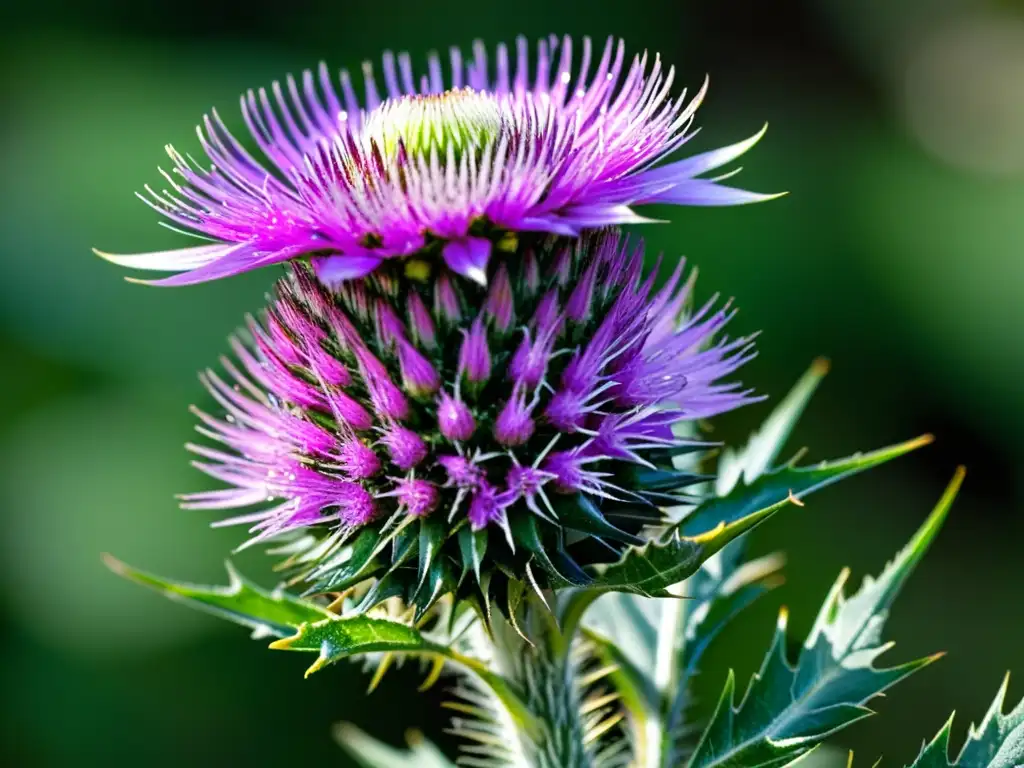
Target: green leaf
[(652, 568), (998, 742), (268, 614), (656, 645), (785, 482), (370, 753), (788, 709), (336, 638), (653, 479), (717, 596), (431, 536), (764, 446)]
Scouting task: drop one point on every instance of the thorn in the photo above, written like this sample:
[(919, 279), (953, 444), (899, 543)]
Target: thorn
[(435, 673), (794, 500)]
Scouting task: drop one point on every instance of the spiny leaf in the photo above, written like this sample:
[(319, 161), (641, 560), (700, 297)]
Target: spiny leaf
[(439, 581), (432, 534), (656, 645), (275, 613), (337, 638), (717, 596), (789, 709), (998, 742), (763, 448), (789, 481), (652, 568), (370, 753)]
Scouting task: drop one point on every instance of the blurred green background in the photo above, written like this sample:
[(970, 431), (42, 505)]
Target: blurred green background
[(898, 128)]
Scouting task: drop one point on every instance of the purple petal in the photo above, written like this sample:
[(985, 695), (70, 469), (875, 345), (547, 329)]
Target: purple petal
[(333, 270), (588, 216), (170, 261), (235, 260), (705, 192), (468, 257), (706, 161)]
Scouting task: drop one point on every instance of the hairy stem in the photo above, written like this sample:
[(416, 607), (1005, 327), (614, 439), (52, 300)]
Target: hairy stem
[(545, 677)]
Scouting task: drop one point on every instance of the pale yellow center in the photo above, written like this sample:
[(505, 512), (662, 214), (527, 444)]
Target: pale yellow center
[(461, 120)]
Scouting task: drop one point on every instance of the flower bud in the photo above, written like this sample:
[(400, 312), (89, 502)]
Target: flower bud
[(454, 419), (417, 497), (514, 425), (419, 378), (474, 355), (407, 449), (358, 460), (421, 324)]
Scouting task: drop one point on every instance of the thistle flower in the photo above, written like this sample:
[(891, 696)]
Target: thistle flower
[(465, 387), (332, 435), (437, 166)]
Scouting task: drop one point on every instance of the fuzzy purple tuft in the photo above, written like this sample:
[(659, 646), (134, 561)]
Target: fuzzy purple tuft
[(467, 160)]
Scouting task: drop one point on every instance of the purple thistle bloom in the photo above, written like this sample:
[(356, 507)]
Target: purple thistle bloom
[(586, 400), (460, 471), (386, 398), (571, 472), (527, 483), (357, 506), (573, 146), (530, 360), (447, 304), (390, 329), (500, 306)]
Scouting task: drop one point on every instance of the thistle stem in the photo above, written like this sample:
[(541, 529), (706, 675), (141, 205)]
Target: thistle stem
[(528, 655)]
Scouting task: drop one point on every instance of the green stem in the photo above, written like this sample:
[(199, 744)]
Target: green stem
[(671, 631), (545, 676)]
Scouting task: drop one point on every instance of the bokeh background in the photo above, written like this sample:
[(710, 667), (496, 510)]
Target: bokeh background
[(898, 128)]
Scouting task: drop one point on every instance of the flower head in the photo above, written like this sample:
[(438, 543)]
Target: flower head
[(491, 428), (433, 165)]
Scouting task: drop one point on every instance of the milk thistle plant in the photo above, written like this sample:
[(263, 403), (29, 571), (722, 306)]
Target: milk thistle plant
[(467, 423)]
